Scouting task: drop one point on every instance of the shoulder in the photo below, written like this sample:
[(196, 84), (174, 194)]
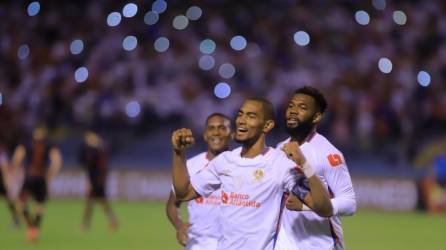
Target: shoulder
[(327, 153), (197, 162), (280, 144), (278, 157)]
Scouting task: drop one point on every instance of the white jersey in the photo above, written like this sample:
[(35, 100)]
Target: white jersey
[(203, 212), (306, 230), (252, 190)]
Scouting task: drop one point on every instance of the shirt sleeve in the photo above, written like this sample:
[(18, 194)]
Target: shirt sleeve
[(340, 185), (207, 180)]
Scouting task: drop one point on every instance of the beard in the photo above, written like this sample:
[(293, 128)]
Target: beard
[(301, 131)]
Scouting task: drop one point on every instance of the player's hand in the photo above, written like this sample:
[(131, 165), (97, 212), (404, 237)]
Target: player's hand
[(182, 236), (182, 139), (293, 152), (293, 203)]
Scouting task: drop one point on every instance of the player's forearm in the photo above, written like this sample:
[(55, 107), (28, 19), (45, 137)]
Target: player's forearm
[(173, 213), (321, 203), (180, 176)]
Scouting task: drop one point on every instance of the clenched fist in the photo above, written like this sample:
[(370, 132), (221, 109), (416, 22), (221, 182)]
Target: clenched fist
[(182, 139), (293, 152)]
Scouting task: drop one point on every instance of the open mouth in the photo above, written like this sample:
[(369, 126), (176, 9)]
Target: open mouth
[(241, 130), (292, 121), (215, 140)]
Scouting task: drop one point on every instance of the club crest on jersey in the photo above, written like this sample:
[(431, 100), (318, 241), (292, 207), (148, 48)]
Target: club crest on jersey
[(258, 174)]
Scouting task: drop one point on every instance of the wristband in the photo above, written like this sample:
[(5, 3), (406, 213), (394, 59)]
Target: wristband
[(307, 169)]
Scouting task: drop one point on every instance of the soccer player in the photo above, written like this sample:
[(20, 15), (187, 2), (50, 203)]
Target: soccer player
[(93, 156), (38, 155), (4, 190), (203, 230), (252, 178), (306, 229)]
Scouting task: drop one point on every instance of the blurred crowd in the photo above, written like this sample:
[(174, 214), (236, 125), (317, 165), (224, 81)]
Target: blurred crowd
[(369, 111)]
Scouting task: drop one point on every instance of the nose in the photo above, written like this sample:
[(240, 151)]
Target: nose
[(240, 120), (292, 111)]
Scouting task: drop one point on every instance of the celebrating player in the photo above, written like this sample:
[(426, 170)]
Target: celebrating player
[(203, 230), (252, 178), (306, 229)]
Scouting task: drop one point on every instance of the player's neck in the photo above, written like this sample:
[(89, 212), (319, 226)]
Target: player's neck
[(303, 135), (251, 150), (211, 154)]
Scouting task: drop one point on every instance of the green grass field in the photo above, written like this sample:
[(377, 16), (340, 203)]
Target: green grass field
[(144, 226)]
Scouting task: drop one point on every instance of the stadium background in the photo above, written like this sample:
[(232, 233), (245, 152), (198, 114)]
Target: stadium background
[(135, 71)]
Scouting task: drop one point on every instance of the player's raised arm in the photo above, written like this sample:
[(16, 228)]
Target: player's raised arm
[(181, 140), (318, 199)]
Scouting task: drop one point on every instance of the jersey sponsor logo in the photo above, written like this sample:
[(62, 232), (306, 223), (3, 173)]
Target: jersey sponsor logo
[(238, 199), (258, 174), (211, 200), (334, 160), (199, 200)]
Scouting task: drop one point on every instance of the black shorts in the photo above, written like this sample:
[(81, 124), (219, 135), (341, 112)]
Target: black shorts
[(97, 191), (36, 186)]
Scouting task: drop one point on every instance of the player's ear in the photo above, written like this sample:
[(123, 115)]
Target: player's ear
[(269, 124), (205, 136), (317, 118)]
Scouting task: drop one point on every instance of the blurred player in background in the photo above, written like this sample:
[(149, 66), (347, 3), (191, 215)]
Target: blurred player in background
[(252, 177), (433, 182), (5, 184), (93, 156), (203, 230), (42, 163), (306, 229)]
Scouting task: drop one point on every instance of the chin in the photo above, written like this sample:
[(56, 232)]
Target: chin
[(239, 140)]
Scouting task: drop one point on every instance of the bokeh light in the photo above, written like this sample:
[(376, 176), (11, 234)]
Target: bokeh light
[(222, 90), (424, 78), (151, 17), (226, 70), (1, 98), (159, 6), (194, 13), (129, 43), (206, 62), (81, 74), (385, 65), (180, 22), (113, 19), (132, 109), (33, 8), (161, 44), (399, 17), (238, 43), (301, 38), (23, 51), (362, 17), (207, 46), (76, 47), (130, 10)]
